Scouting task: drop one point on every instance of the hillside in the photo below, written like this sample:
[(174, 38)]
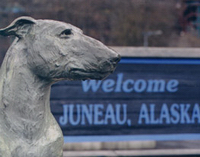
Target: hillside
[(114, 22)]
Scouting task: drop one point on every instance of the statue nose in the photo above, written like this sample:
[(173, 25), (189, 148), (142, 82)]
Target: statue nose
[(116, 59)]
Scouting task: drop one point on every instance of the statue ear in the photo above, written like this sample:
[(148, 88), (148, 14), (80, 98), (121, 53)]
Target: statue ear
[(19, 27)]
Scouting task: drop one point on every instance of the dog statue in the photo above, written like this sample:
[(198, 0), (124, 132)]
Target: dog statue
[(43, 52)]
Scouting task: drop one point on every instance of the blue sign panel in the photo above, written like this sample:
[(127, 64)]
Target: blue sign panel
[(144, 99)]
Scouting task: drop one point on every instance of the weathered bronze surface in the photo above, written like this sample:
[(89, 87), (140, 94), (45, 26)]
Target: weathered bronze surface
[(44, 52)]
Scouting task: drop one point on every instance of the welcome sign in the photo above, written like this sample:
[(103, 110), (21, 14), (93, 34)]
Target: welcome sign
[(144, 99)]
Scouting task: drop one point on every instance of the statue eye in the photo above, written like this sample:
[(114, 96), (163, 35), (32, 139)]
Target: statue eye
[(66, 33)]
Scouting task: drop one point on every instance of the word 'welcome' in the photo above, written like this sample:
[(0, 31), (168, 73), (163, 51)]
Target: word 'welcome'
[(130, 85)]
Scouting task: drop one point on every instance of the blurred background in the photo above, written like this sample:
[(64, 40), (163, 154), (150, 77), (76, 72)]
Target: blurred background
[(155, 23)]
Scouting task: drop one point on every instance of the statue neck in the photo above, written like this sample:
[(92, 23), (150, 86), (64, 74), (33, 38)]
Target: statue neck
[(24, 97)]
